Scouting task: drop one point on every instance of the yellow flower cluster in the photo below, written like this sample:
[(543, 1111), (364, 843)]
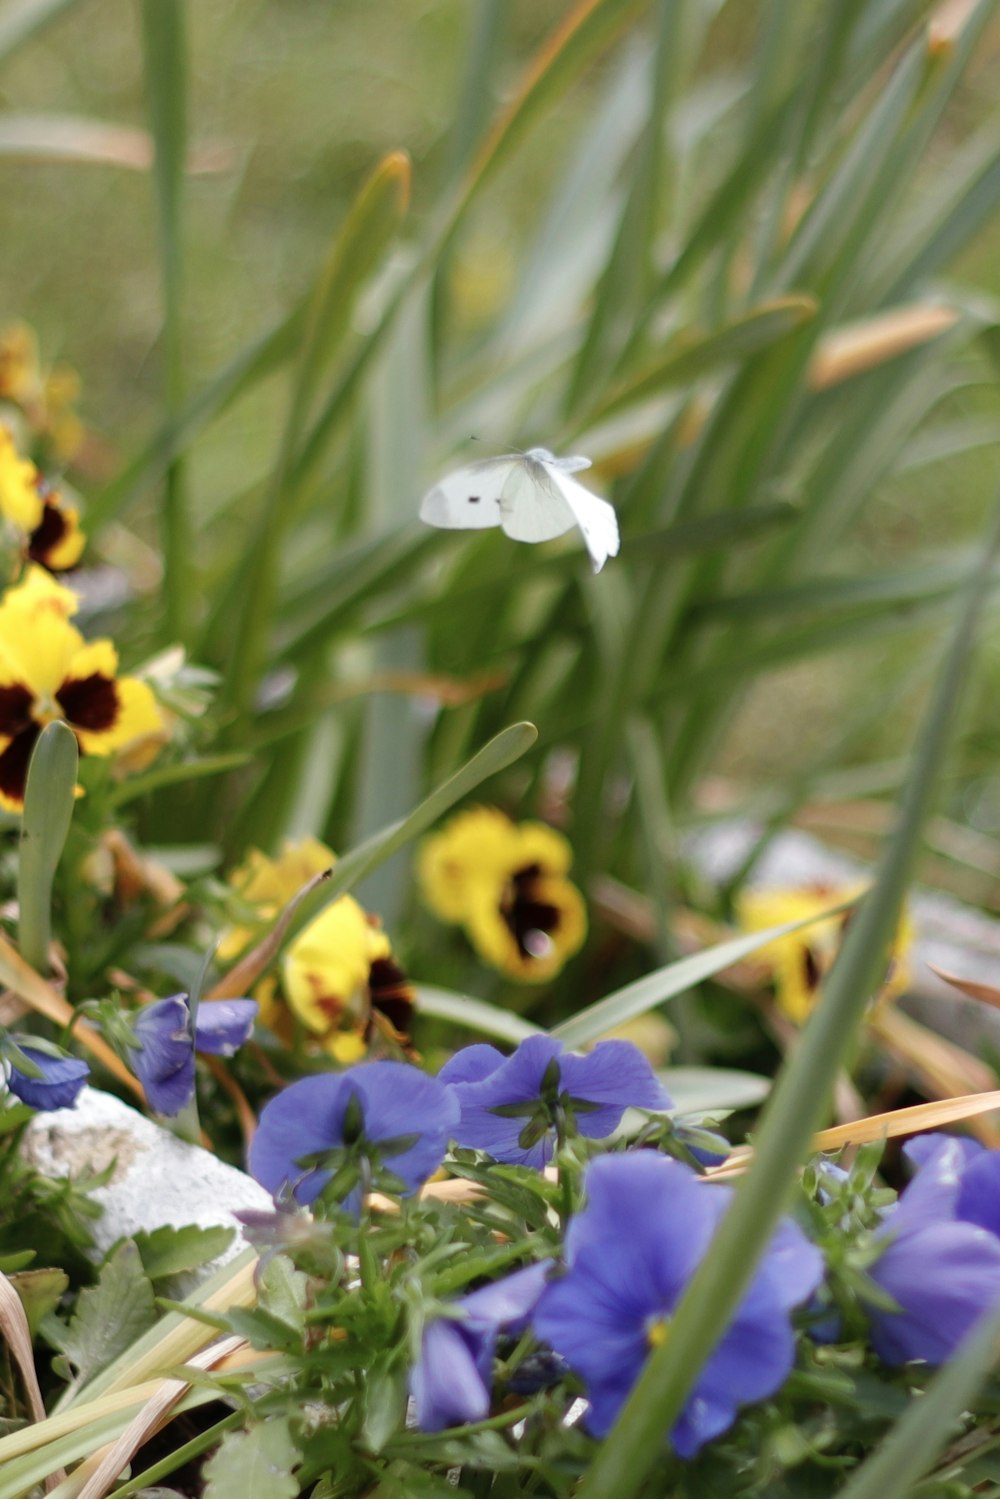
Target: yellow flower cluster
[(800, 961), (338, 976), (47, 529), (48, 671), (505, 884), (45, 399)]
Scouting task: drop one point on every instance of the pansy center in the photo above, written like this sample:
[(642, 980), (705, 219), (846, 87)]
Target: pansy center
[(531, 921), (657, 1331)]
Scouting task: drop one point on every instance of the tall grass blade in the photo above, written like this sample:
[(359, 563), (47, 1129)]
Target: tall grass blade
[(799, 1097), (166, 79), (896, 1466)]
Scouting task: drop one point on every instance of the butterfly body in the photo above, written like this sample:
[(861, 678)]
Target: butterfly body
[(531, 496)]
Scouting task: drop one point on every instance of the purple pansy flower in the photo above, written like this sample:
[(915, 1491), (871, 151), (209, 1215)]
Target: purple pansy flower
[(164, 1059), (450, 1382), (941, 1261), (630, 1255), (512, 1107), (58, 1087), (382, 1116)]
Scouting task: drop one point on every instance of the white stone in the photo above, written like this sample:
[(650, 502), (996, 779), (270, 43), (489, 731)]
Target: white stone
[(156, 1178)]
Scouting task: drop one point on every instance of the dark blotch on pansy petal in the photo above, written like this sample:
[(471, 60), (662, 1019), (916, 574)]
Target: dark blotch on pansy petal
[(14, 761), (15, 709), (91, 703), (59, 1086), (222, 1025), (48, 534)]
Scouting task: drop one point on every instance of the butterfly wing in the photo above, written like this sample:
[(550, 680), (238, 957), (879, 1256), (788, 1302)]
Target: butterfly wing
[(532, 507), (595, 517), (470, 498)]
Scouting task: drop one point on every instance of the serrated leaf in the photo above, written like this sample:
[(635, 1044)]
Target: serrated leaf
[(170, 1251), (384, 1403), (254, 1464), (109, 1316), (284, 1291)]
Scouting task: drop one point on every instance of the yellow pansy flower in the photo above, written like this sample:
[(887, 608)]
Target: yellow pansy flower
[(338, 976), (48, 671), (20, 501), (56, 542), (506, 884), (20, 379), (800, 961)]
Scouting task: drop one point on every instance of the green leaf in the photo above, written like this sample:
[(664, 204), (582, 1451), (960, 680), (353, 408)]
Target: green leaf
[(473, 1014), (23, 19), (109, 1316), (501, 751), (48, 810), (666, 983), (384, 1402), (700, 1090), (254, 1464), (171, 1251), (692, 355)]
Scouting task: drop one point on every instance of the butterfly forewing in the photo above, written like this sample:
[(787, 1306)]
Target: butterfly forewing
[(470, 498), (532, 507)]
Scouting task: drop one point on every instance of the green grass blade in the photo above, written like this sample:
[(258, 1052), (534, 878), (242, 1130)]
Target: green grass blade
[(694, 356), (20, 20), (252, 364), (473, 1014), (502, 751), (358, 247), (48, 810), (896, 1466), (166, 81), (668, 982), (799, 1098)]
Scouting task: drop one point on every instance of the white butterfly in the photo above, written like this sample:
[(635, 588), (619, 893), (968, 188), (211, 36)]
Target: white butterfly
[(531, 495)]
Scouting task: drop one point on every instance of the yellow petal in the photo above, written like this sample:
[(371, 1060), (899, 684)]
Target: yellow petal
[(326, 968), (137, 717), (20, 502), (38, 651), (474, 848)]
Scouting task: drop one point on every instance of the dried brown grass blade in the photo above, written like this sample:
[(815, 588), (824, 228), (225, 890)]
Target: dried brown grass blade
[(154, 1414), (971, 988), (22, 979), (861, 346), (16, 1333)]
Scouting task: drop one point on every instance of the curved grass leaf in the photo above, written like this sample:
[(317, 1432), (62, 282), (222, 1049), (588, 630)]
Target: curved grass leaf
[(502, 751), (473, 1014), (670, 981), (48, 810)]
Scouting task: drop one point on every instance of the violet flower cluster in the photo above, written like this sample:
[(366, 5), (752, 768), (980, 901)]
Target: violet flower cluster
[(630, 1253)]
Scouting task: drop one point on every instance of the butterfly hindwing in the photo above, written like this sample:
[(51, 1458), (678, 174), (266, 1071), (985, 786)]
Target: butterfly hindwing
[(532, 507), (596, 519), (470, 498)]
